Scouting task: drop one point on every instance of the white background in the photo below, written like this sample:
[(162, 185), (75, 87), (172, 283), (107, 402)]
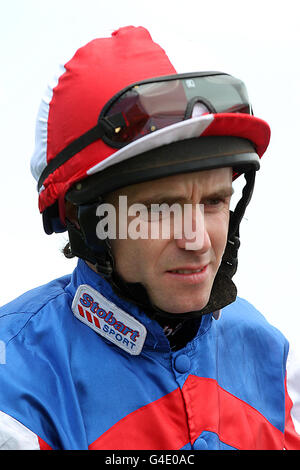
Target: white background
[(258, 41)]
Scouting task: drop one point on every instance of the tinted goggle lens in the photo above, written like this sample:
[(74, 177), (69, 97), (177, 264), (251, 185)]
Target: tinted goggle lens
[(147, 107)]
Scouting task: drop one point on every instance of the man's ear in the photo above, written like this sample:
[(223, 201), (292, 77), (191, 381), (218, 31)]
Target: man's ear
[(71, 213)]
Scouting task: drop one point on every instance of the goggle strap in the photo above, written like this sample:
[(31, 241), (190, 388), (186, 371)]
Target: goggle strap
[(72, 149), (111, 124), (105, 126)]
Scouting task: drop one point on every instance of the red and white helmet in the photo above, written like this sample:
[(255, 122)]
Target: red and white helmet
[(69, 145)]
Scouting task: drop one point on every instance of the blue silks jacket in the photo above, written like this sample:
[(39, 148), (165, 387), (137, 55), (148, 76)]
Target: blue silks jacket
[(85, 369)]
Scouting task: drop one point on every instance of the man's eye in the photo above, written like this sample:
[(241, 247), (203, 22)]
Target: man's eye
[(213, 202), (158, 212), (153, 213)]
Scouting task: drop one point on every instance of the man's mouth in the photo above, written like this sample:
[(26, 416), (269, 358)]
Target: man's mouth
[(187, 271), (189, 275)]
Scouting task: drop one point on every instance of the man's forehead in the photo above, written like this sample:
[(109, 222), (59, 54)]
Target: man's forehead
[(219, 179)]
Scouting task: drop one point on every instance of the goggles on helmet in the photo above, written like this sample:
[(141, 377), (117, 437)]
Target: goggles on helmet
[(150, 105), (147, 106)]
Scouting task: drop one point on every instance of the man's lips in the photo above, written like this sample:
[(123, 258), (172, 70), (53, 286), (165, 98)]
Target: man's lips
[(188, 274), (187, 269)]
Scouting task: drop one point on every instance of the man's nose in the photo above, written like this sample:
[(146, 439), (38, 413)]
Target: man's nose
[(194, 234)]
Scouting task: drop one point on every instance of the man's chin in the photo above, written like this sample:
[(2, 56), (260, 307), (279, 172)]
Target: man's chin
[(183, 307)]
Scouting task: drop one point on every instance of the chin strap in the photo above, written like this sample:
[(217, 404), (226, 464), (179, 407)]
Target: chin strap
[(85, 244)]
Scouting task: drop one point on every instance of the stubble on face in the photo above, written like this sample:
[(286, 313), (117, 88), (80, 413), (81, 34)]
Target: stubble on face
[(177, 279)]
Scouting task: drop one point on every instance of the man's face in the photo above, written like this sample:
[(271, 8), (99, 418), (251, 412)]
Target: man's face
[(177, 274)]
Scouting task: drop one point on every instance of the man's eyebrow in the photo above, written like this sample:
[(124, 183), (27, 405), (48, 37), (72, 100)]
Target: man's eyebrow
[(170, 199), (220, 193)]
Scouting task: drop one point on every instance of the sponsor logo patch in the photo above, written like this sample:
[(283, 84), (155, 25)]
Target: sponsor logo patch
[(104, 317)]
